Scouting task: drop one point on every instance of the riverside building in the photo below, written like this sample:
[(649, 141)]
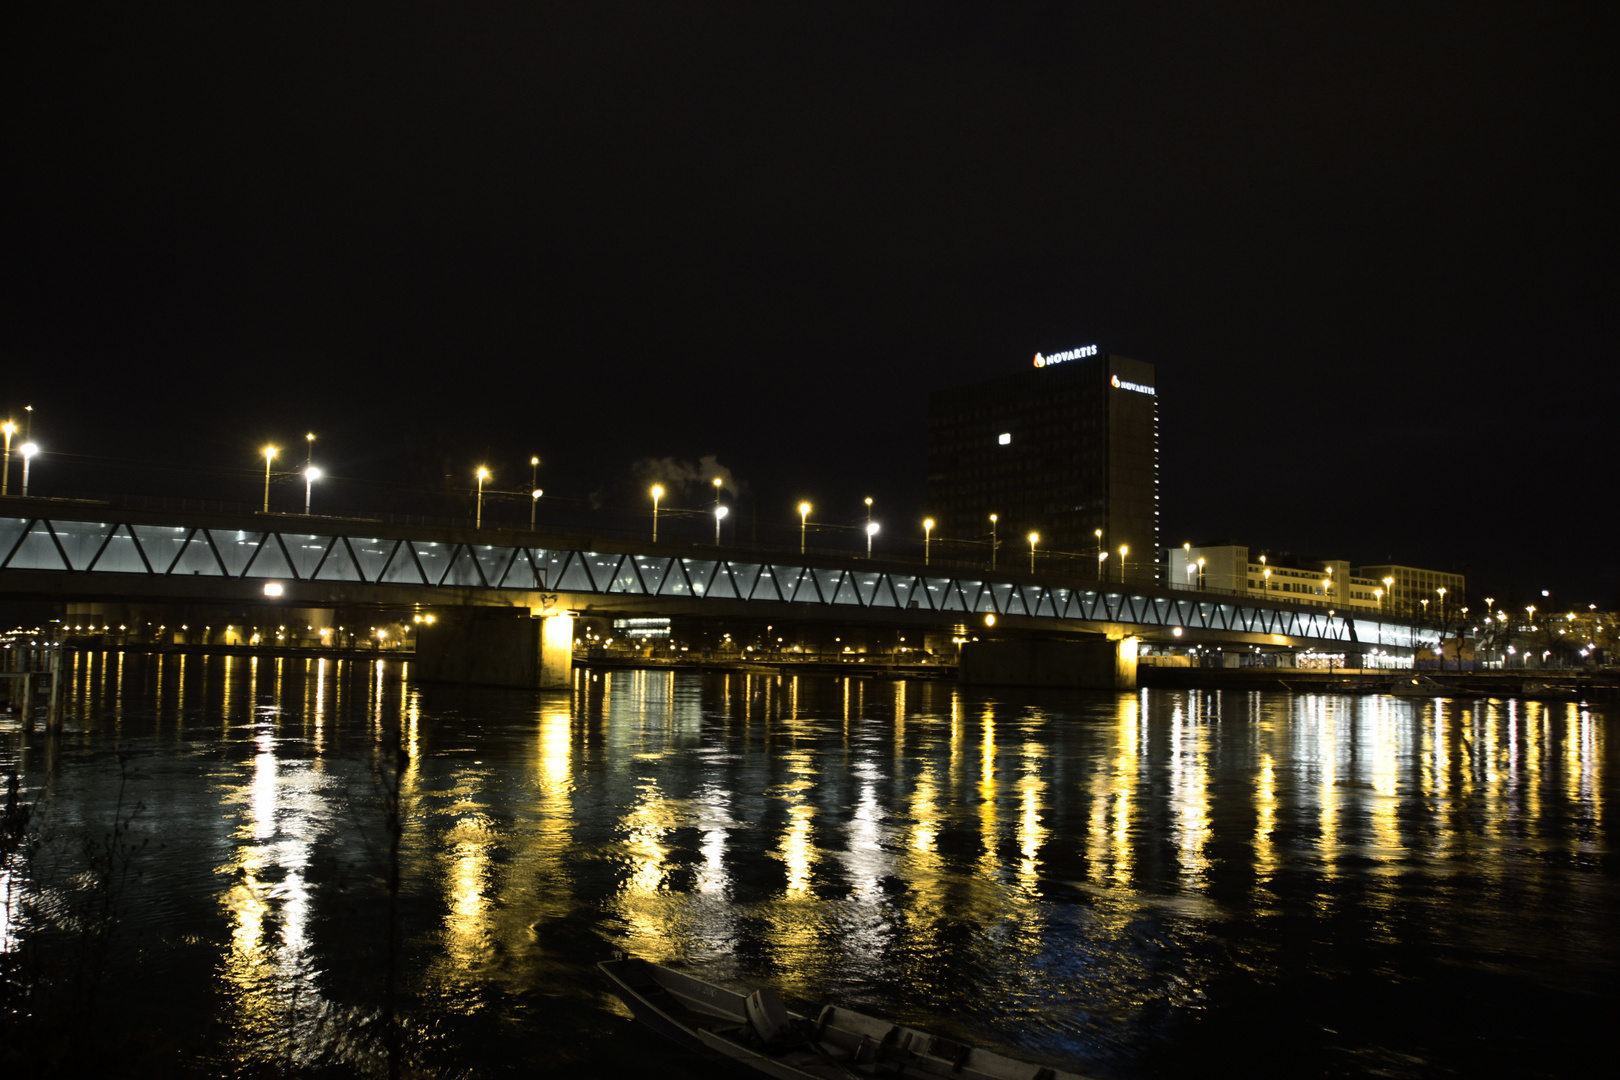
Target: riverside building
[(1397, 591), (1067, 449)]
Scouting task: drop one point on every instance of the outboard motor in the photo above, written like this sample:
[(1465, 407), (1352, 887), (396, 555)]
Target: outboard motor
[(768, 1016)]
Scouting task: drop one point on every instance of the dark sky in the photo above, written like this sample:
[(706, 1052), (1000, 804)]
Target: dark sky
[(1369, 247)]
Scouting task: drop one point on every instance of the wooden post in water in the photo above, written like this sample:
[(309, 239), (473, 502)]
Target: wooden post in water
[(28, 700), (53, 712)]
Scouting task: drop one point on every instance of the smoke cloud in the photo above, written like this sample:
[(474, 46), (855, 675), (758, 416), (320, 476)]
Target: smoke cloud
[(686, 481)]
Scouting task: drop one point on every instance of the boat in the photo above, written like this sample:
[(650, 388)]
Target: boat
[(1424, 686), (757, 1035)]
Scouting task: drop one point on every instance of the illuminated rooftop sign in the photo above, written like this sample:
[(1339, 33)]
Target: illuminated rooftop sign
[(1121, 384), (1073, 354)]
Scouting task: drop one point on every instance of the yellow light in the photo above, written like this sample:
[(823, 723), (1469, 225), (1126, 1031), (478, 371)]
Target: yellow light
[(989, 620), (483, 473), (534, 461), (804, 509), (1034, 538), (269, 452), (658, 491)]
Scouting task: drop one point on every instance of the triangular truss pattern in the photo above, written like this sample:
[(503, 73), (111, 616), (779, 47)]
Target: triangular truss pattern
[(122, 548)]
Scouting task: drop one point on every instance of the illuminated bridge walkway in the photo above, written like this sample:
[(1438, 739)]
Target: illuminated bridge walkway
[(142, 555)]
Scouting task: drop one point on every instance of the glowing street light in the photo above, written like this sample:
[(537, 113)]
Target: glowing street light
[(719, 516), (28, 450), (928, 532), (1101, 554), (869, 509), (311, 474), (309, 449), (534, 504), (657, 492), (871, 531), (269, 456), (1123, 551), (1200, 573), (1034, 538), (478, 520), (10, 429), (804, 523)]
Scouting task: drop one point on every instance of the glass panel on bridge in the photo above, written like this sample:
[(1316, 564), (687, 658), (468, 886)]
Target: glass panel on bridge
[(626, 580), (675, 583), (81, 541), (828, 581), (700, 572), (401, 568), (850, 592), (722, 586), (463, 569), (198, 558), (765, 588), (653, 568), (235, 548), (37, 551), (746, 576), (549, 565), (270, 560), (1045, 603), (339, 564), (1003, 597), (306, 552), (803, 589), (372, 555), (883, 594), (574, 577), (434, 559), (162, 544), (493, 560), (606, 569), (943, 595), (909, 592), (122, 555), (521, 574), (11, 530)]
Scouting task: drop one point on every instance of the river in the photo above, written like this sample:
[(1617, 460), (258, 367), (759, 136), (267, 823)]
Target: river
[(1130, 885)]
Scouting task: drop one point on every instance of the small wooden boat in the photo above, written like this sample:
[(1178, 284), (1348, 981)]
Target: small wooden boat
[(756, 1033)]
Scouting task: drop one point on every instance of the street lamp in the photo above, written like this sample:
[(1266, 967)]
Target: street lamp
[(1034, 538), (5, 474), (28, 450), (478, 520), (657, 492), (993, 519), (719, 516), (309, 449), (534, 504), (928, 530), (1442, 591), (269, 455), (1123, 551), (869, 509), (1389, 587), (311, 474), (871, 531), (1200, 573), (804, 523), (1101, 554)]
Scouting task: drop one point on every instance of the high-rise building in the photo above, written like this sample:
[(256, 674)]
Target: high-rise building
[(1068, 449)]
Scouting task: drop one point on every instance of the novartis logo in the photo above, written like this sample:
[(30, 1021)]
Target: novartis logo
[(1120, 384), (1073, 354)]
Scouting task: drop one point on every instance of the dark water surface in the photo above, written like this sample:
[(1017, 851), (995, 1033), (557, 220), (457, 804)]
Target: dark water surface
[(1151, 884)]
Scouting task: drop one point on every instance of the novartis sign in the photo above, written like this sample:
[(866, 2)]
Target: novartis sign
[(1121, 384), (1073, 354)]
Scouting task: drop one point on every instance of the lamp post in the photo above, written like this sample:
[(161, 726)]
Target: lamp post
[(869, 509), (871, 531), (5, 473), (1034, 538), (993, 545), (1101, 554), (1123, 551), (311, 474), (657, 492), (1186, 561), (804, 523), (478, 520), (1389, 589), (269, 455), (928, 531), (309, 449), (534, 504), (28, 450), (719, 516), (1200, 573)]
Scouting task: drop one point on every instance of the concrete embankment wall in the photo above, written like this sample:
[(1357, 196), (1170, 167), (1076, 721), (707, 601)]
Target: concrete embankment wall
[(1098, 664)]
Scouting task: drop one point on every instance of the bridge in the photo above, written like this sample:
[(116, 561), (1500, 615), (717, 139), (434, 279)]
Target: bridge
[(75, 550)]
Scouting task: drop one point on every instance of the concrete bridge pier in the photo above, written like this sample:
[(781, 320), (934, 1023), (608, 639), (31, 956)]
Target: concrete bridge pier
[(509, 648), (1095, 663)]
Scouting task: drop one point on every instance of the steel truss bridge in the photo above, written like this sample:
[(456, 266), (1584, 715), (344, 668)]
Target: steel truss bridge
[(119, 555)]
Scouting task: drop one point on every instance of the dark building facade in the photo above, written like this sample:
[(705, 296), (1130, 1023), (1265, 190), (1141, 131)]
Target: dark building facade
[(1063, 449)]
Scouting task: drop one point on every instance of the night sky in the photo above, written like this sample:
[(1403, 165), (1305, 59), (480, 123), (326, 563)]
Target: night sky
[(1369, 246)]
